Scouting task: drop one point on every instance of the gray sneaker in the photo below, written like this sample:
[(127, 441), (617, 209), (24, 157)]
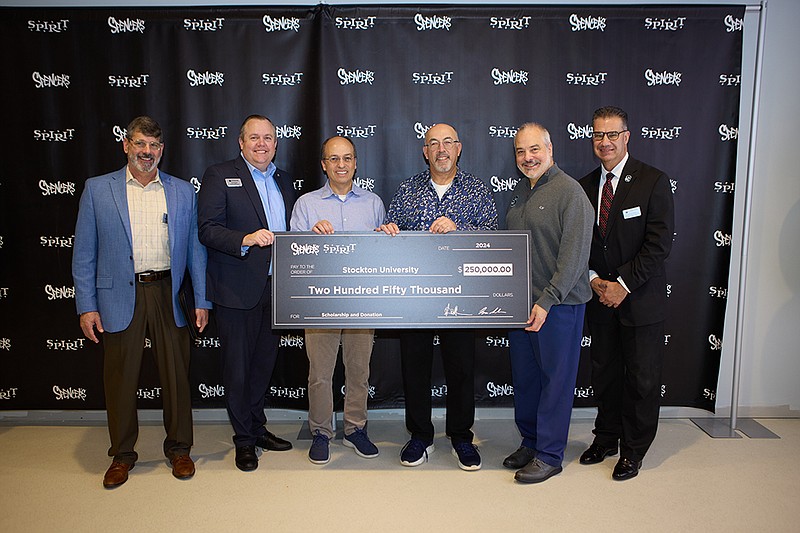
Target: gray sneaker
[(359, 441)]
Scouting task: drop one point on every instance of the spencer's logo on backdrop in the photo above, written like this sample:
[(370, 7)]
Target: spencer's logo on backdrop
[(41, 81), (69, 393), (579, 131), (728, 133), (366, 183), (509, 77), (288, 131), (733, 24), (432, 22), (59, 293), (126, 25), (280, 24), (56, 187), (662, 78), (197, 79), (355, 77), (211, 391), (587, 23), (421, 129), (503, 184)]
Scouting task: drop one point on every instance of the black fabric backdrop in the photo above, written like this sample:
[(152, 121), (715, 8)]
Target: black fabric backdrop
[(73, 78)]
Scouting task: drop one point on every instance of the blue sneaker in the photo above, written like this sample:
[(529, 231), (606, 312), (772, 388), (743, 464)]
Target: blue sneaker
[(415, 452), (359, 441), (319, 453), (468, 456)]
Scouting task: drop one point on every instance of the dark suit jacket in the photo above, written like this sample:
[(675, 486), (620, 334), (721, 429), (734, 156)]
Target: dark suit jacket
[(228, 208), (638, 240)]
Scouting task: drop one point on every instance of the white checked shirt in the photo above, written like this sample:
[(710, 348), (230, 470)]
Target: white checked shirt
[(147, 208)]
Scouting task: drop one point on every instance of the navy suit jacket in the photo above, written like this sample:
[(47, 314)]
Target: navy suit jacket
[(102, 256), (637, 242), (229, 208)]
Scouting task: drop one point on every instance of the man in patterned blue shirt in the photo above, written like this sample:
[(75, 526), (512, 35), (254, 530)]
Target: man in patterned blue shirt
[(440, 200)]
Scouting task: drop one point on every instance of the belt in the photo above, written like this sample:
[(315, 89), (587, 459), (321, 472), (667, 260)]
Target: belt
[(151, 275)]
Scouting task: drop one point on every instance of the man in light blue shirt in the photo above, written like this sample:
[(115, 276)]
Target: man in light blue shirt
[(339, 205)]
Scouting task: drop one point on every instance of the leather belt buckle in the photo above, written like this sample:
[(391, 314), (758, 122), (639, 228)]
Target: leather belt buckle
[(149, 276)]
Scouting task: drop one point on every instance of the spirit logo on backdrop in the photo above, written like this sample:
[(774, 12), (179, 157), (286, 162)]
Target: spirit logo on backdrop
[(68, 345), (54, 135), (509, 23), (662, 134), (48, 26), (203, 24), (586, 79), (502, 132), (356, 132), (355, 23), (129, 81), (207, 134), (664, 24), (432, 78), (53, 241), (283, 79)]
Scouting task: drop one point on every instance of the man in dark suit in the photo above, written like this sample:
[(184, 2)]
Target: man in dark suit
[(135, 238), (241, 204), (632, 239)]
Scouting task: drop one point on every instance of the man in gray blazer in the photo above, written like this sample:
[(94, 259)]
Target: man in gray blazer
[(135, 238)]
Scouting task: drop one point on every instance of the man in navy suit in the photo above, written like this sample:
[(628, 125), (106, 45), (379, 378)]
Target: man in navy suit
[(631, 241), (242, 202), (135, 237)]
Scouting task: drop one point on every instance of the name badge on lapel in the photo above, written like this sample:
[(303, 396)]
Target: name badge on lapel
[(633, 212), (233, 182)]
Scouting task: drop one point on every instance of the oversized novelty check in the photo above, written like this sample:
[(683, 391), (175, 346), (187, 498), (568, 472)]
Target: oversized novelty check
[(411, 280)]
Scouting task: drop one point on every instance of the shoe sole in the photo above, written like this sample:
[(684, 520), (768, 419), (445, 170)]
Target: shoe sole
[(316, 462), (462, 466), (531, 481), (428, 451), (359, 452)]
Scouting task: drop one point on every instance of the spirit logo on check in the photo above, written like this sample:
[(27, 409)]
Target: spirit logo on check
[(487, 269)]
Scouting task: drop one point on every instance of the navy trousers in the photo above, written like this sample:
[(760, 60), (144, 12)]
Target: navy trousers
[(544, 366)]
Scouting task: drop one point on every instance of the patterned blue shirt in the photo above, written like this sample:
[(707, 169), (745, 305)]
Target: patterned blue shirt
[(360, 211), (468, 202)]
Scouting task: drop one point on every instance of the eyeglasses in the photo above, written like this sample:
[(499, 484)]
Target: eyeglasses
[(335, 159), (154, 145), (612, 135), (447, 143)]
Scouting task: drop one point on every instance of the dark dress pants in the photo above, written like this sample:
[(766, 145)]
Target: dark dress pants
[(122, 363), (458, 359), (626, 378), (248, 350)]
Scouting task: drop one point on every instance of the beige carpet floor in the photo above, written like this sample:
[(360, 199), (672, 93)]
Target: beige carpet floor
[(50, 480)]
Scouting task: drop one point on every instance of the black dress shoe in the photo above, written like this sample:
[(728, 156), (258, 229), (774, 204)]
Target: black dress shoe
[(520, 458), (271, 442), (626, 469), (596, 453), (246, 458)]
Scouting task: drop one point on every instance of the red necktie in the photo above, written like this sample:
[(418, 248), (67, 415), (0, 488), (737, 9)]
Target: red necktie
[(605, 203)]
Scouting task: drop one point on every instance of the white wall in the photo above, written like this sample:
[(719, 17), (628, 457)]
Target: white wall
[(770, 369)]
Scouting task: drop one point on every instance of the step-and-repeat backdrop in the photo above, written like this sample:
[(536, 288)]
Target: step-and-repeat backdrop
[(381, 75)]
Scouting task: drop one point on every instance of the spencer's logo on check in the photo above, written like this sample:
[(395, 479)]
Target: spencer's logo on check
[(414, 279)]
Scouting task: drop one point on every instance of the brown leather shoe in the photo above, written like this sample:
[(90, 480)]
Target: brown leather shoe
[(116, 475), (182, 467)]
